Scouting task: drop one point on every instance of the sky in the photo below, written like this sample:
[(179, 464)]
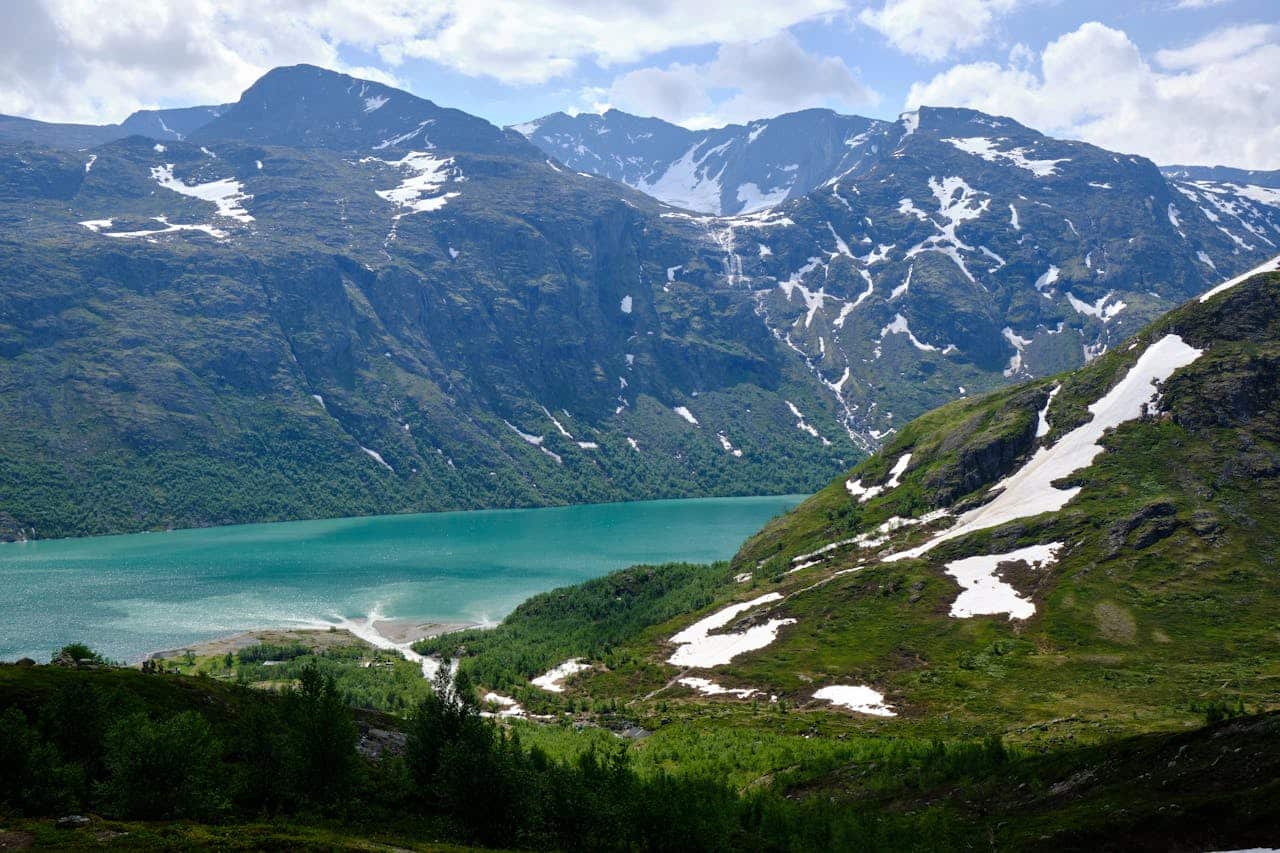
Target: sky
[(1179, 81)]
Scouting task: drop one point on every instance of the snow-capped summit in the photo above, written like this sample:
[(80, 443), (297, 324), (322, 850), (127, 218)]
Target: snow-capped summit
[(728, 170)]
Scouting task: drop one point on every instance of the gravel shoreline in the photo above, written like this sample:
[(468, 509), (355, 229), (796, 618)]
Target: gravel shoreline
[(396, 631)]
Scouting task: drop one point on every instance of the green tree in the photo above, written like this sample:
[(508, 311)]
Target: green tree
[(261, 741), (166, 769), (32, 778), (76, 718), (77, 652), (322, 738)]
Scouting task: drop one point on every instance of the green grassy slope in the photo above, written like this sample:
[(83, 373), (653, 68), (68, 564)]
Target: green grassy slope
[(1165, 598)]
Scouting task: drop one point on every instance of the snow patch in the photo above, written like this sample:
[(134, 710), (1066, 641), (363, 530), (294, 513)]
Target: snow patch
[(981, 146), (1047, 278), (727, 445), (551, 680), (405, 137), (753, 198), (559, 426), (1042, 420), (417, 193), (228, 193), (858, 698), (866, 493), (1099, 309), (1030, 491), (1272, 265), (688, 182), (984, 594), (169, 228), (507, 707), (910, 122), (804, 426), (710, 688), (535, 440), (377, 457), (698, 647), (899, 326)]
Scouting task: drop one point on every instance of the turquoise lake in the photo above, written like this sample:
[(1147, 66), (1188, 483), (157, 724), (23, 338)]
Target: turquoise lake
[(130, 595)]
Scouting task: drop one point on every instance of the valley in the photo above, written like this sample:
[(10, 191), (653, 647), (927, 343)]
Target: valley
[(374, 476)]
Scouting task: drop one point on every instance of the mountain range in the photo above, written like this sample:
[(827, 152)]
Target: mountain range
[(334, 297)]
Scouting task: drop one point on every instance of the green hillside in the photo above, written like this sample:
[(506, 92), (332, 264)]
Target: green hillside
[(1161, 602)]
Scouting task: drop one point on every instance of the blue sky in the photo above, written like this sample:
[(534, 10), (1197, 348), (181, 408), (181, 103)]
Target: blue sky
[(1177, 80), (1151, 24)]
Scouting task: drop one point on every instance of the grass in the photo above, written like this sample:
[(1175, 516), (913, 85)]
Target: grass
[(184, 835)]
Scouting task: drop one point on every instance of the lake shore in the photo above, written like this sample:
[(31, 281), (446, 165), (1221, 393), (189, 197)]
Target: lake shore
[(398, 633)]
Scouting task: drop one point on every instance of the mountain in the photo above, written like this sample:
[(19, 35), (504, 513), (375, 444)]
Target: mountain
[(1083, 556), (950, 249), (337, 298), (158, 124), (965, 250), (308, 107), (234, 329), (729, 170), (176, 124), (1241, 204), (1224, 174), (1095, 545)]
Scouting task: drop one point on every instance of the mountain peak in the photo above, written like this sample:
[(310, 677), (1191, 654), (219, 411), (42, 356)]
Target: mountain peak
[(727, 170), (306, 106)]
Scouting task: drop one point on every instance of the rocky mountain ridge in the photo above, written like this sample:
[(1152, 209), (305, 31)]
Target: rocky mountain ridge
[(338, 298)]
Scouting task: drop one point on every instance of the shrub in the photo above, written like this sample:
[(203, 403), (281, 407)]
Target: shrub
[(166, 769), (322, 738), (32, 779), (77, 652)]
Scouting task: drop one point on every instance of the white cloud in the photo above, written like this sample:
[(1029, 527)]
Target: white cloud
[(1220, 46), (744, 81), (98, 60), (936, 29), (1214, 101), (537, 40)]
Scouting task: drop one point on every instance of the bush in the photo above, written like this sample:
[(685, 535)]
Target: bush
[(270, 651), (159, 770), (75, 719), (32, 779), (322, 738), (77, 652)]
